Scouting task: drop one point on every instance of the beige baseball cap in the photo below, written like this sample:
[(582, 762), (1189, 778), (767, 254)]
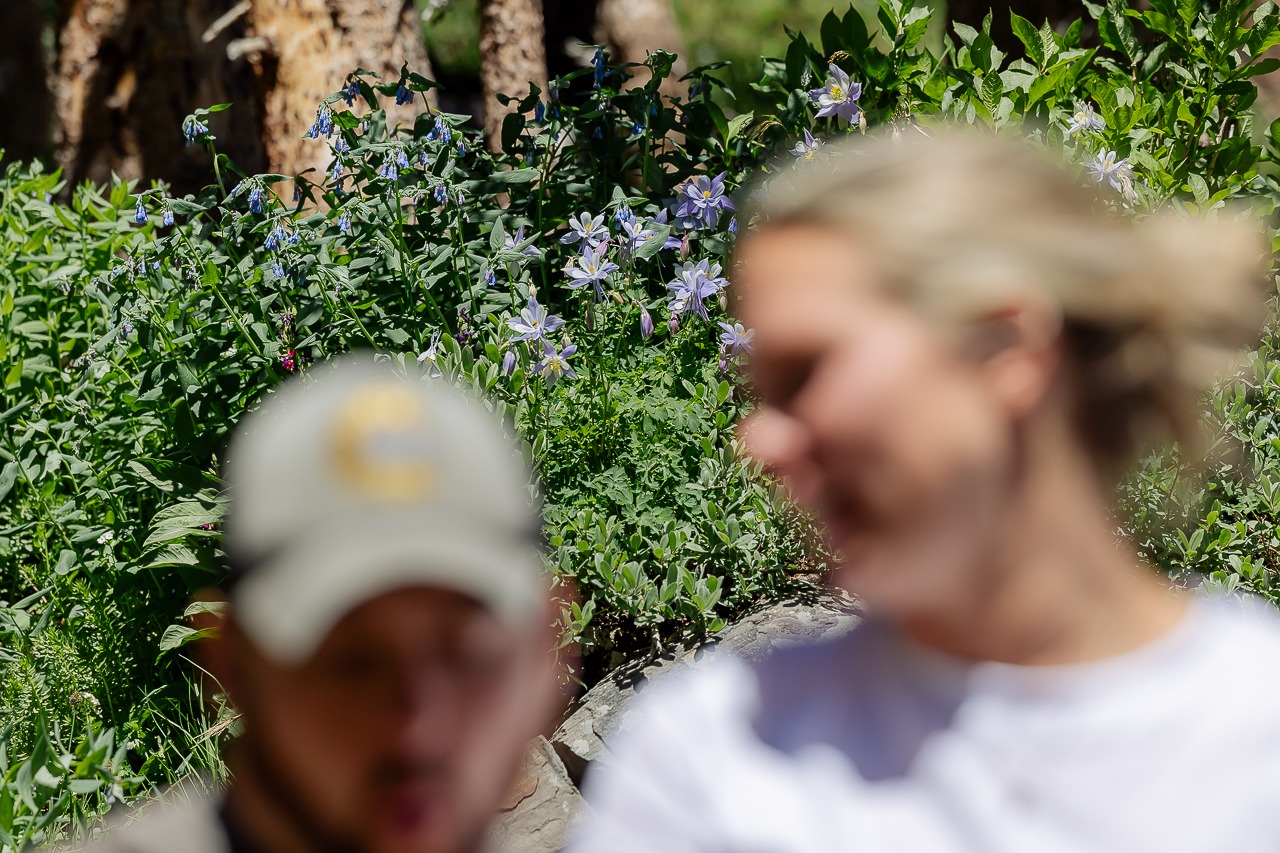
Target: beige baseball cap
[(354, 480)]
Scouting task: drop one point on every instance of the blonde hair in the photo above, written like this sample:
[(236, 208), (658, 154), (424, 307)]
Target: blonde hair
[(962, 225)]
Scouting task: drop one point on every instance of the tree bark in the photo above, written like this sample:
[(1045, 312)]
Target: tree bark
[(632, 28), (511, 57), (128, 71), (310, 48)]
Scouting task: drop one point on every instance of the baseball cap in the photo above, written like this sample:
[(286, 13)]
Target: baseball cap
[(354, 480)]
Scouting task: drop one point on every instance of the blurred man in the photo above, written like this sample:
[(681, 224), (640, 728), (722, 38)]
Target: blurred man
[(387, 636)]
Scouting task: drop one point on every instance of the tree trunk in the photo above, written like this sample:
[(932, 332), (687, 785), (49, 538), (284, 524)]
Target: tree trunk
[(512, 56), (308, 47), (24, 100), (128, 71), (632, 28)]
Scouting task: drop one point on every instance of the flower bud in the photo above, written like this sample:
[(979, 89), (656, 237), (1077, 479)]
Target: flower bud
[(590, 317), (684, 248), (533, 291), (646, 323), (509, 363), (724, 301), (724, 364), (674, 323)]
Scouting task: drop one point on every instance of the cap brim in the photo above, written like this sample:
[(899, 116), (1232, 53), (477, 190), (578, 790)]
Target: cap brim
[(288, 604)]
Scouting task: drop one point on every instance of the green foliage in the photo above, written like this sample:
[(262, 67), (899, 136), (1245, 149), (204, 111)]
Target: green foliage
[(132, 346)]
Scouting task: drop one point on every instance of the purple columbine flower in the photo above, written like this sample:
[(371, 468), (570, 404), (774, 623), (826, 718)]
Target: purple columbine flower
[(696, 284), (533, 324), (809, 148), (646, 323), (555, 364), (838, 96), (736, 339), (588, 232), (512, 244), (509, 363), (703, 199), (634, 236), (591, 268)]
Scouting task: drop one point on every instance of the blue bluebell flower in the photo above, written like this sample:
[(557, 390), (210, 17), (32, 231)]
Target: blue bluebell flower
[(255, 200), (167, 217), (140, 213), (341, 146), (193, 129), (442, 129), (277, 268), (637, 129), (293, 238), (490, 277), (462, 148), (539, 112), (337, 170), (353, 89), (838, 95), (404, 95), (623, 214), (274, 239), (441, 194), (344, 222), (424, 159), (733, 225), (295, 190), (597, 63), (402, 160)]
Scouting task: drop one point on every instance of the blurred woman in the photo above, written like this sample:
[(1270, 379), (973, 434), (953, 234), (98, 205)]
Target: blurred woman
[(957, 352)]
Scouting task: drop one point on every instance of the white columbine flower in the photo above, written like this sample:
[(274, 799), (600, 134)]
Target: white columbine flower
[(1118, 173), (1085, 119)]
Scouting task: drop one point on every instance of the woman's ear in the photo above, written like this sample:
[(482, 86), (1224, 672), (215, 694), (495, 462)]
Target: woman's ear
[(1020, 352)]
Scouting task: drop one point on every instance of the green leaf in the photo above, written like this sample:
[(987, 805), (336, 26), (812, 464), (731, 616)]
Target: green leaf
[(515, 176), (66, 562), (8, 475), (1029, 36), (1198, 188)]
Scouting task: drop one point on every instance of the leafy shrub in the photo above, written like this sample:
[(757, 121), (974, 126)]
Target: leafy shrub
[(138, 329)]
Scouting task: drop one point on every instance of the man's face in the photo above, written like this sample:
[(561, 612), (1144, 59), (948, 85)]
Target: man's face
[(404, 730)]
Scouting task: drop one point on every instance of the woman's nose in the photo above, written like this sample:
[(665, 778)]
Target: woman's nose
[(785, 447)]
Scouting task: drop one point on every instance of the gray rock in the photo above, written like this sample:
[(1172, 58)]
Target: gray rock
[(543, 809), (603, 711)]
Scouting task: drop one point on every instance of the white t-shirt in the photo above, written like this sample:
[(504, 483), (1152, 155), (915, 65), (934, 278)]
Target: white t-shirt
[(871, 744)]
